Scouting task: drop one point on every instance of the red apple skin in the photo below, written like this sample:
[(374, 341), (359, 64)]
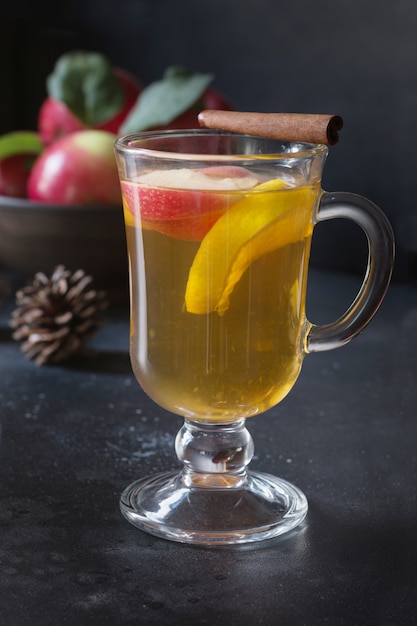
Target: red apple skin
[(77, 169), (186, 214), (55, 119), (173, 211), (14, 174)]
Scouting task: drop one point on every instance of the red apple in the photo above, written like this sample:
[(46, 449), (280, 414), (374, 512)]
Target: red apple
[(56, 116), (14, 173), (79, 168), (56, 120), (185, 203), (18, 150)]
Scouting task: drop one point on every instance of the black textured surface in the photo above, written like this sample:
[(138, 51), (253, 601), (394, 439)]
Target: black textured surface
[(74, 436)]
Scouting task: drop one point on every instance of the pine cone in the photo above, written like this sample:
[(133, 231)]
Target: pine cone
[(56, 315)]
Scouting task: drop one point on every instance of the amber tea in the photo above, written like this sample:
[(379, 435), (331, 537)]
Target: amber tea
[(232, 363)]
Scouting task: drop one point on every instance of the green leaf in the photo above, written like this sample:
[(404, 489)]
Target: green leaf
[(163, 101), (20, 142), (85, 82)]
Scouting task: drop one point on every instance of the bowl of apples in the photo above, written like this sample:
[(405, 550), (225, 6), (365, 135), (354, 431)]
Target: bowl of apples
[(60, 198), (70, 213)]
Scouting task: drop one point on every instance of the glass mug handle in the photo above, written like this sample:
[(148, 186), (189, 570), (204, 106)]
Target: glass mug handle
[(378, 272)]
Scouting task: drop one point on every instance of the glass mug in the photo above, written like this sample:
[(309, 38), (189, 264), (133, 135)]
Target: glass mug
[(219, 228)]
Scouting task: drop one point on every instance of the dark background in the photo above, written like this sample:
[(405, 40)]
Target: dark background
[(357, 58)]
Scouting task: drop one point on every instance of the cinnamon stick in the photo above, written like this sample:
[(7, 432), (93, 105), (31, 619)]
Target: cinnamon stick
[(305, 127)]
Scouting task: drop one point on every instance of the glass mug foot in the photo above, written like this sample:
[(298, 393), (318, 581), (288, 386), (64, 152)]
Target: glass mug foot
[(214, 500), (261, 508)]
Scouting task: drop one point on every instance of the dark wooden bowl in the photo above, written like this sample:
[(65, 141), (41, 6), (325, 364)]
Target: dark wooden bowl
[(38, 237)]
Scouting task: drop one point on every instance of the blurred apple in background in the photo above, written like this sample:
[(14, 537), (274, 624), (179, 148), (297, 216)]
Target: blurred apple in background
[(89, 102), (66, 204), (18, 151), (79, 168), (85, 91), (14, 172)]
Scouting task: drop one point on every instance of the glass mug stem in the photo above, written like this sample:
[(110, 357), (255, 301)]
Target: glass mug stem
[(380, 239), (214, 455)]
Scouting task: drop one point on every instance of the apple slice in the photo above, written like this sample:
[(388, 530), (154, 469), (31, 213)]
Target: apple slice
[(185, 203)]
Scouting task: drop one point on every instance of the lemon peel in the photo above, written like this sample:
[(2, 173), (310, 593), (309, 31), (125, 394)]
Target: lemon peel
[(128, 215), (254, 226)]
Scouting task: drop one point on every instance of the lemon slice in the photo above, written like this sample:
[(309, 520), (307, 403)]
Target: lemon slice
[(258, 224), (130, 219)]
